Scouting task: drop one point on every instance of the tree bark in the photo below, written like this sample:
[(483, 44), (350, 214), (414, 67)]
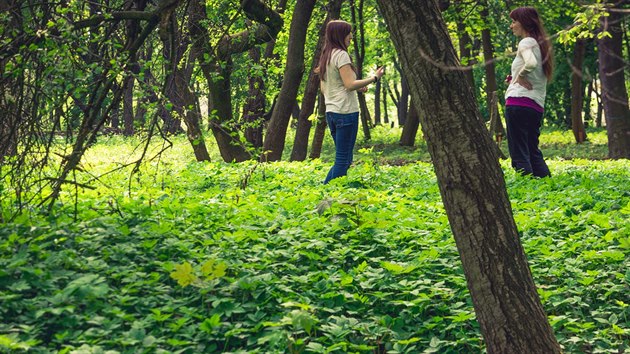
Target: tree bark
[(300, 144), (277, 130), (614, 94), (511, 317), (410, 129), (577, 91)]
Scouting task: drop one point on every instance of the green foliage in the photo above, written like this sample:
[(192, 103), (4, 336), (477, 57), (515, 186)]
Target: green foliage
[(366, 263)]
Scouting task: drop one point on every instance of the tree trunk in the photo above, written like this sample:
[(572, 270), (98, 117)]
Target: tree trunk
[(277, 130), (254, 115), (320, 128), (356, 12), (383, 85), (300, 144), (216, 65), (614, 94), (511, 317), (410, 129), (465, 52), (577, 91), (254, 107), (488, 56), (403, 102), (377, 103), (178, 89)]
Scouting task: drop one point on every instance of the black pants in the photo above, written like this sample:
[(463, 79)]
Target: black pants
[(523, 130)]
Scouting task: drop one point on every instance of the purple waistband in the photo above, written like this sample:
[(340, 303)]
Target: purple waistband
[(524, 102)]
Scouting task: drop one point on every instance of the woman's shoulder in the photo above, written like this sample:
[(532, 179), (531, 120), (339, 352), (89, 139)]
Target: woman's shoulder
[(527, 42), (340, 57)]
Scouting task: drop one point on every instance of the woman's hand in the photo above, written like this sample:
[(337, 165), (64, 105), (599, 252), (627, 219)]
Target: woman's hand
[(524, 82), (363, 89), (380, 72)]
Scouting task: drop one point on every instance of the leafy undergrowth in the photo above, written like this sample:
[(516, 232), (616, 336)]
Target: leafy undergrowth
[(188, 261)]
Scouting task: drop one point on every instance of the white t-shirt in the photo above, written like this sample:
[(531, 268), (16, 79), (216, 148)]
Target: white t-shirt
[(529, 61), (338, 99)]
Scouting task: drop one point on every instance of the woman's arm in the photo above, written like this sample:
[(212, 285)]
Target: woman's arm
[(349, 78), (529, 65)]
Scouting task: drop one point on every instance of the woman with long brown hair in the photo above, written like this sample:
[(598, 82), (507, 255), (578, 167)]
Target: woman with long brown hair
[(532, 68), (339, 83)]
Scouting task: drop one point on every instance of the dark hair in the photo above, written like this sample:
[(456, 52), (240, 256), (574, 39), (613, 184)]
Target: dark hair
[(528, 18), (335, 38)]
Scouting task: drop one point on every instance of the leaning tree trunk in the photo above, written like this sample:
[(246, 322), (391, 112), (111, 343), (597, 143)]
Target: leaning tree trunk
[(300, 144), (614, 94), (277, 130), (577, 92), (509, 311)]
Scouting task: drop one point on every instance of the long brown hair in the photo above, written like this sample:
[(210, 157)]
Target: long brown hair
[(335, 38), (528, 17)]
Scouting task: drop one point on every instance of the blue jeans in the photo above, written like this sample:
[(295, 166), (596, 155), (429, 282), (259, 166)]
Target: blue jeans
[(523, 130), (344, 128)]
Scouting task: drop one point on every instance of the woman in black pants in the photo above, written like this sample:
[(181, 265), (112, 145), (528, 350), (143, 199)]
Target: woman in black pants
[(525, 97)]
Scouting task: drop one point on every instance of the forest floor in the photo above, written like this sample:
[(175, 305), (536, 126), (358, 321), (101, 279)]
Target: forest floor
[(190, 257)]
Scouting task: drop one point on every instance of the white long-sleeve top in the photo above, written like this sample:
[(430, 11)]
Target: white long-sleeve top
[(528, 63)]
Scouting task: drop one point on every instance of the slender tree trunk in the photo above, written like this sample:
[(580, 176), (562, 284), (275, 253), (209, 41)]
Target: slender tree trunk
[(403, 102), (614, 94), (300, 144), (383, 84), (356, 12), (277, 130), (465, 53), (471, 182), (586, 108), (410, 129), (488, 56), (577, 92), (320, 128), (377, 103)]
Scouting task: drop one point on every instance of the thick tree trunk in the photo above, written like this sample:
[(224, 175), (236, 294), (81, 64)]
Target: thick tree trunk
[(614, 94), (511, 317), (320, 128), (410, 129), (300, 144), (577, 92), (488, 56), (277, 130)]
